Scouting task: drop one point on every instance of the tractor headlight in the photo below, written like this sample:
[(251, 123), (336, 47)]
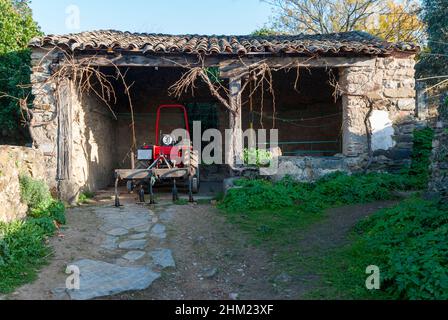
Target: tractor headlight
[(167, 140)]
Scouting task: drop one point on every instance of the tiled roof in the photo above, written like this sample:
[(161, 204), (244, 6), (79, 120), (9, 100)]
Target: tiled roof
[(352, 43)]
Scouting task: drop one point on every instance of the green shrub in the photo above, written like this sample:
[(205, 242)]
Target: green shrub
[(22, 251), (418, 174), (22, 244), (411, 238), (85, 196), (333, 190), (34, 193), (257, 157), (37, 196)]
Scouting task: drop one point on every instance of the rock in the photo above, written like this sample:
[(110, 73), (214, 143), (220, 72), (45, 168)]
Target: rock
[(133, 244), (110, 243), (127, 217), (229, 184), (163, 258), (100, 279), (167, 216), (199, 240), (284, 278), (138, 236), (59, 293), (233, 296), (143, 228), (158, 231), (134, 255), (117, 232), (210, 273)]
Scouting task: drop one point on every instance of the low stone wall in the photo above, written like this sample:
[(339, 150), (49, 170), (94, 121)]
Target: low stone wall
[(13, 162), (306, 169)]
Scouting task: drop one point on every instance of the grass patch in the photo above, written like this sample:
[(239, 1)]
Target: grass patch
[(85, 196), (23, 249), (408, 243), (181, 202), (276, 214)]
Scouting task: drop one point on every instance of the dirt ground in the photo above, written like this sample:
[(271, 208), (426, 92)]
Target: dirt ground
[(214, 259)]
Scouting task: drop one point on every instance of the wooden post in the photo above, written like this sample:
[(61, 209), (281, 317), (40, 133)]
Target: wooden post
[(65, 94), (234, 155)]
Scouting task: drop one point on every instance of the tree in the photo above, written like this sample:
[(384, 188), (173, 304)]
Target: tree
[(434, 62), (17, 28), (378, 17)]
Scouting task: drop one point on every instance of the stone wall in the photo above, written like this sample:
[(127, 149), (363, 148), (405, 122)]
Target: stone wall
[(15, 161), (439, 168), (45, 125)]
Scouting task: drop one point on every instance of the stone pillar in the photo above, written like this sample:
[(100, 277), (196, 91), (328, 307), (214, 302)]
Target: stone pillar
[(385, 89)]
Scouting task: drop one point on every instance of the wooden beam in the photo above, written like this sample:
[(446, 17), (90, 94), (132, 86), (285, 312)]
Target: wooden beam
[(232, 68), (137, 61)]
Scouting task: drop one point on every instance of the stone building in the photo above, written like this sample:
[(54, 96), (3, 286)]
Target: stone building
[(340, 102)]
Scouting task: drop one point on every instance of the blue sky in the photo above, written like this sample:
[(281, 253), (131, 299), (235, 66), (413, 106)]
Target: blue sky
[(156, 16)]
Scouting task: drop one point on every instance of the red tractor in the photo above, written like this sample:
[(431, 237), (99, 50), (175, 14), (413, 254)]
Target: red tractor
[(170, 160)]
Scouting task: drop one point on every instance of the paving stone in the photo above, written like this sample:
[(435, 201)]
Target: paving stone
[(118, 232), (59, 293), (134, 255), (158, 231), (163, 258), (167, 215), (138, 236), (133, 244), (144, 228), (127, 217), (100, 279), (110, 243)]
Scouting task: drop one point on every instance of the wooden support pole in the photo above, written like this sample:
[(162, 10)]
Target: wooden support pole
[(234, 155)]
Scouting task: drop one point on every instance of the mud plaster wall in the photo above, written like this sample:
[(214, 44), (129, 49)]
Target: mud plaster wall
[(93, 151)]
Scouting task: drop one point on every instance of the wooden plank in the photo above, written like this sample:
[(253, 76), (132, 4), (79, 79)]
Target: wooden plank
[(64, 139)]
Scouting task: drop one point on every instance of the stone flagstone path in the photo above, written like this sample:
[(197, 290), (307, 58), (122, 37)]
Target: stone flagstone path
[(133, 247)]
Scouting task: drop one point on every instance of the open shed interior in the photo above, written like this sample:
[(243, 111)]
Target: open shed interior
[(305, 112)]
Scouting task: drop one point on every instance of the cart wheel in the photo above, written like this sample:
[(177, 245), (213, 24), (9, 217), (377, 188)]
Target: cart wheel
[(130, 186)]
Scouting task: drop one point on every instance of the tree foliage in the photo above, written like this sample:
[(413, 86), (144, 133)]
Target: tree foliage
[(434, 61), (394, 20), (17, 28)]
